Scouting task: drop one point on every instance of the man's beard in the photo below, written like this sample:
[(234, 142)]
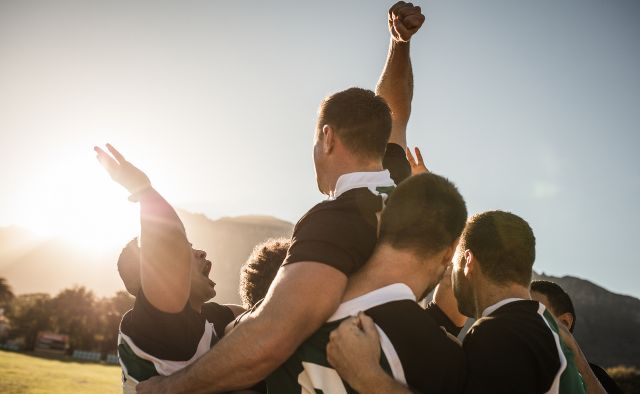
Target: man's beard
[(462, 292)]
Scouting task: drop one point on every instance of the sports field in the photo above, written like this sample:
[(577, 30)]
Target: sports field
[(21, 373)]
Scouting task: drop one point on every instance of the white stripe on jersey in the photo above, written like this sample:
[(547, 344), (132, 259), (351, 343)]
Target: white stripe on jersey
[(168, 367), (555, 387)]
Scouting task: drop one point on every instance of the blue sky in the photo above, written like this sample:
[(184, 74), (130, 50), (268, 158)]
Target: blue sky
[(529, 106)]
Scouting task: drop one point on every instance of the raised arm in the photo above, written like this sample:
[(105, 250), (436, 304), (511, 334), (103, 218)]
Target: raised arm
[(396, 82), (303, 296), (165, 265)]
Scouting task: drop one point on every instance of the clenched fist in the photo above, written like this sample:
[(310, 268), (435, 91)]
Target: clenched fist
[(404, 21)]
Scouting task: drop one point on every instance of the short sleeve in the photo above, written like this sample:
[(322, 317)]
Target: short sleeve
[(395, 160), (340, 237)]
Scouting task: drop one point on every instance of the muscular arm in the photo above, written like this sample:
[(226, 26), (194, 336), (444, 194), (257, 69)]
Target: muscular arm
[(304, 295), (396, 82), (165, 264)]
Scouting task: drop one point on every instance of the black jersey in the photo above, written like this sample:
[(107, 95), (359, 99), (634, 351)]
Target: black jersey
[(415, 350), (152, 342), (515, 348), (342, 231)]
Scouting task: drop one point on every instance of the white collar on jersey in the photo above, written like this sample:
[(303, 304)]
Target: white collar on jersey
[(370, 180), (499, 304), (394, 292)]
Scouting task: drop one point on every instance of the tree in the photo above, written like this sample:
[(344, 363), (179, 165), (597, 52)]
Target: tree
[(6, 294), (29, 314)]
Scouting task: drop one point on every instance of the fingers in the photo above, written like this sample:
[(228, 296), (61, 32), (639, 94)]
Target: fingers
[(403, 32), (405, 19), (367, 324), (115, 153), (107, 161), (410, 159), (419, 156)]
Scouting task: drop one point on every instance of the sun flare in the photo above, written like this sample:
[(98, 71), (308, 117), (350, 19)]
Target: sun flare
[(75, 199)]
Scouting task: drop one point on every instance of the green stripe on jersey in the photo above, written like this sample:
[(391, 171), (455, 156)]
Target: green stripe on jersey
[(308, 371), (570, 381), (136, 367)]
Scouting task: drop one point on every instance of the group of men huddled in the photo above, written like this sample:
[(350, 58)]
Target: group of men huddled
[(334, 309)]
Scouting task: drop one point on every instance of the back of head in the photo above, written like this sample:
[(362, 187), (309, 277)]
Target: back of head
[(503, 244), (558, 298), (425, 215), (360, 119), (260, 269), (129, 267)]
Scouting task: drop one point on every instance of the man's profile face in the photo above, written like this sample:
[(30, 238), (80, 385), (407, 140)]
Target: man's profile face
[(462, 285), (202, 288)]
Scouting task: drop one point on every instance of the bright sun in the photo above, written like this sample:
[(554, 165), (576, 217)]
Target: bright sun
[(75, 199)]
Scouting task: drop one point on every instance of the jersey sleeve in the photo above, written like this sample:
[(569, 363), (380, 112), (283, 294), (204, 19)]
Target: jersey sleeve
[(169, 336), (339, 238), (441, 319), (395, 160)]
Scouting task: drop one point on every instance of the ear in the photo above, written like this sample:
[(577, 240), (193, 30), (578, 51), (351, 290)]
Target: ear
[(471, 264), (566, 319), (328, 139)]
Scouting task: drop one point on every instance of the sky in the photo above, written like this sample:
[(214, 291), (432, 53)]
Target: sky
[(528, 106)]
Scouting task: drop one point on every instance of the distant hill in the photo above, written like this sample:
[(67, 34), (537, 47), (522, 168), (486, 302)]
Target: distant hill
[(607, 327), (49, 265)]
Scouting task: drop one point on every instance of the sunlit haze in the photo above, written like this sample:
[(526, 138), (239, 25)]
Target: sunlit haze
[(528, 106)]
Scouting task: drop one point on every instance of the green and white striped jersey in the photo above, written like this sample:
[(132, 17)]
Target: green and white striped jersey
[(415, 351), (151, 342)]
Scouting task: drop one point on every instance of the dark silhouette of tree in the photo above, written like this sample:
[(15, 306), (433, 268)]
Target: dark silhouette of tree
[(74, 313), (29, 314), (6, 294)]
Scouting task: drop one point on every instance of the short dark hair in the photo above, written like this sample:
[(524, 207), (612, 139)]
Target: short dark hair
[(425, 214), (558, 298), (360, 119), (504, 245), (129, 267), (260, 269)]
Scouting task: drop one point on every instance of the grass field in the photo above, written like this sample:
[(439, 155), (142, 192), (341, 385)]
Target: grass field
[(20, 373)]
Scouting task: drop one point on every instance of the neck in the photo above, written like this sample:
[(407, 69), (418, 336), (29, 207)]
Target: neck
[(388, 266), (196, 305), (491, 293), (350, 166)]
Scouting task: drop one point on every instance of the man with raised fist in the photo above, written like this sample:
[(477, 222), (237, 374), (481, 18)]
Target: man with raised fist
[(333, 239)]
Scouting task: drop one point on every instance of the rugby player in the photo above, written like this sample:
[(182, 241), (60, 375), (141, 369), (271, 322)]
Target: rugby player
[(558, 302), (514, 346), (332, 240), (171, 323), (419, 230)]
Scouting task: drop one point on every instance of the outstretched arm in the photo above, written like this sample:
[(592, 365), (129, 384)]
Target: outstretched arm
[(396, 82), (591, 382), (165, 265)]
